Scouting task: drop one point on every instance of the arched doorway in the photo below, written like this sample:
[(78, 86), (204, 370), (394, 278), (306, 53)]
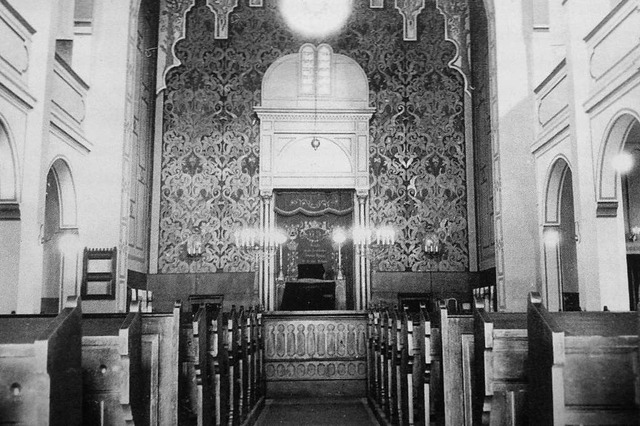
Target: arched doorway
[(628, 163), (617, 211), (559, 238), (59, 239), (9, 224)]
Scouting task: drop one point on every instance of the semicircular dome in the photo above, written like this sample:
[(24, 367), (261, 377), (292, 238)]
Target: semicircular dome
[(315, 78)]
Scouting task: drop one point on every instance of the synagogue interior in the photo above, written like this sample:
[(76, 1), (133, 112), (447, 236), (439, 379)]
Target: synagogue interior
[(322, 212)]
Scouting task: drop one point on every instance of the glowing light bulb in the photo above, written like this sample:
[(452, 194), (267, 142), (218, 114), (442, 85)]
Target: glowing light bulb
[(315, 18), (623, 162)]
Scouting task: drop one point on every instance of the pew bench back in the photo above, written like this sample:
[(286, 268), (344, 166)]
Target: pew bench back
[(583, 366), (501, 350), (111, 368), (40, 358)]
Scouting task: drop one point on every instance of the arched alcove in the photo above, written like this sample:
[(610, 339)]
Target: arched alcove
[(59, 238), (630, 203), (314, 122), (314, 134), (559, 240), (9, 223), (8, 169), (608, 178)]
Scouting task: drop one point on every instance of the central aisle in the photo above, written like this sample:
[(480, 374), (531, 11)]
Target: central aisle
[(317, 412)]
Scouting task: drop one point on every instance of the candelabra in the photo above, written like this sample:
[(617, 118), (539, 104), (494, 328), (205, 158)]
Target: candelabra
[(194, 245), (339, 237), (262, 244), (371, 242)]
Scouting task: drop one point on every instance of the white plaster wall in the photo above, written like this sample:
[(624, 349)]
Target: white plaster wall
[(97, 174), (601, 250), (99, 180), (9, 264), (611, 243), (42, 16), (516, 185)]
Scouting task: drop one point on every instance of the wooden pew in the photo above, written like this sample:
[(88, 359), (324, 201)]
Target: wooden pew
[(40, 364), (111, 368), (203, 325), (583, 366), (457, 367), (425, 377), (501, 349), (187, 388), (399, 363), (228, 366), (160, 341)]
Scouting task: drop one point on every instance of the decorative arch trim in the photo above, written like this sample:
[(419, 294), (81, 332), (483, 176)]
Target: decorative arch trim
[(555, 180), (8, 166), (607, 178), (67, 193), (172, 29)]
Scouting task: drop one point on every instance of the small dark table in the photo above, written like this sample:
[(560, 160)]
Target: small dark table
[(309, 295)]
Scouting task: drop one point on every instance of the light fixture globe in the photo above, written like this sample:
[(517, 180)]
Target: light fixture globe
[(315, 18)]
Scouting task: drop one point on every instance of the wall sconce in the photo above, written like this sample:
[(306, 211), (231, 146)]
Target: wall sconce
[(194, 245), (635, 232), (431, 244)]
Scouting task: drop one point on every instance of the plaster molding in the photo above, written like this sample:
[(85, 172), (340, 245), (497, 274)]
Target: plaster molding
[(409, 10), (456, 30), (221, 9)]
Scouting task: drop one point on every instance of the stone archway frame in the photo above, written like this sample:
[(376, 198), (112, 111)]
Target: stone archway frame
[(607, 178)]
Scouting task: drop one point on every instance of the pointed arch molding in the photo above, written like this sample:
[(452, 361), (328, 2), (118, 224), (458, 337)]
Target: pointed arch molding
[(607, 177), (555, 180)]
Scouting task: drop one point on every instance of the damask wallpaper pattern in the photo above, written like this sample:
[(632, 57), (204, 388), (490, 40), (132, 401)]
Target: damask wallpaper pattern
[(209, 177)]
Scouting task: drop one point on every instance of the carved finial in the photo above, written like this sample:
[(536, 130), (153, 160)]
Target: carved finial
[(410, 9), (72, 302), (134, 306), (535, 298), (479, 303), (222, 9)]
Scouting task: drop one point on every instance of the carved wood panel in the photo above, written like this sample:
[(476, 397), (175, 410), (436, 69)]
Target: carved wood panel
[(308, 347)]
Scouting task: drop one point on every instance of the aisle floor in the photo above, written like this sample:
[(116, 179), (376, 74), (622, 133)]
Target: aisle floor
[(317, 412)]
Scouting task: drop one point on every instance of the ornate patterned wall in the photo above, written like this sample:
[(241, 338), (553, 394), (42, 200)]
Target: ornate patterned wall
[(210, 143)]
